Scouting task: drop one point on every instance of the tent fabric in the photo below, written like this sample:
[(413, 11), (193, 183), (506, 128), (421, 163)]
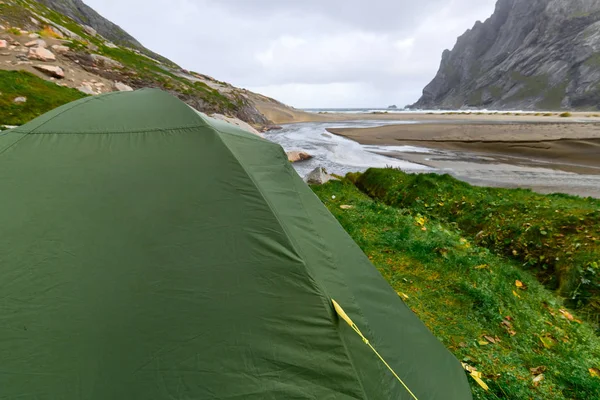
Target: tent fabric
[(150, 252)]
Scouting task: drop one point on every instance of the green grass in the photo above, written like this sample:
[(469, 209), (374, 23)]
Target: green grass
[(566, 115), (463, 293), (42, 96), (557, 237)]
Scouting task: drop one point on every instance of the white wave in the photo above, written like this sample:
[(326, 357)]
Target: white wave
[(335, 153)]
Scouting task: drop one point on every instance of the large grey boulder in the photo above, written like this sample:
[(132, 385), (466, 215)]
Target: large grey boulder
[(318, 176), (51, 70)]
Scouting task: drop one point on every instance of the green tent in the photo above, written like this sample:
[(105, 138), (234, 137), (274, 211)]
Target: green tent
[(150, 252)]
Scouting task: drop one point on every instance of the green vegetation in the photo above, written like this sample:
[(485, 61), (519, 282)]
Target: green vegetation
[(42, 96), (490, 313), (557, 237), (496, 92), (475, 99), (593, 61), (532, 85), (553, 97), (566, 115)]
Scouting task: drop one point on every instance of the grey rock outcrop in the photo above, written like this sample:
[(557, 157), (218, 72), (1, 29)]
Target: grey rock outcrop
[(318, 176), (85, 15), (530, 54), (51, 70)]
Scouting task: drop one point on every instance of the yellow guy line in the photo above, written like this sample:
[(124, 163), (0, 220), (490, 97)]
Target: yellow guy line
[(342, 314)]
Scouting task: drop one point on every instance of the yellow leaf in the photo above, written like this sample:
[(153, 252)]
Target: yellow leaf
[(516, 294), (538, 379), (403, 295), (482, 266), (346, 207), (479, 381), (482, 342), (595, 372), (547, 341), (519, 284)]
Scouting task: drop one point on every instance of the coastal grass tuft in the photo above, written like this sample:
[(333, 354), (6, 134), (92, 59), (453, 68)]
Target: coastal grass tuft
[(556, 237), (566, 115), (489, 312), (42, 96)]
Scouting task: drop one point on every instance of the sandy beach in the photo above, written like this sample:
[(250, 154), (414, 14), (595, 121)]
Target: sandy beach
[(571, 146)]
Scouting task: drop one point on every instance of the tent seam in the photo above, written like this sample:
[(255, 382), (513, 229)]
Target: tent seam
[(295, 247)]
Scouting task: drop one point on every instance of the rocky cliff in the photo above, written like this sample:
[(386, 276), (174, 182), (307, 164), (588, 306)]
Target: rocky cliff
[(530, 54), (67, 42)]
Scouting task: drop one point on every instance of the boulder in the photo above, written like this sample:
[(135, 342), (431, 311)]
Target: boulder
[(105, 61), (20, 100), (319, 176), (296, 156), (37, 43), (42, 54), (60, 49), (22, 57), (86, 88), (3, 44), (34, 36), (111, 45), (121, 87), (51, 70), (89, 30)]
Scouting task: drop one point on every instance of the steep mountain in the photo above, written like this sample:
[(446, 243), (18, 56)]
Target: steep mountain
[(81, 13), (67, 42), (530, 54)]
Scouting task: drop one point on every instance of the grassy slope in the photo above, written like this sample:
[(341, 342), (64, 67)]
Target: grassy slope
[(42, 96), (556, 236), (463, 292)]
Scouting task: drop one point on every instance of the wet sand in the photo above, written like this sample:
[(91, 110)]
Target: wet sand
[(569, 146)]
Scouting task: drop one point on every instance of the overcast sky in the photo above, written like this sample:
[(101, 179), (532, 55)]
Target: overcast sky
[(306, 53)]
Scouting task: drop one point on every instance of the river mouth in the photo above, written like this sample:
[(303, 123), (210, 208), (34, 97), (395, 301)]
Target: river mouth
[(340, 155)]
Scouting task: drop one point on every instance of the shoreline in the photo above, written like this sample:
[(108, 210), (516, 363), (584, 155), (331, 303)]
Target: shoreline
[(572, 147)]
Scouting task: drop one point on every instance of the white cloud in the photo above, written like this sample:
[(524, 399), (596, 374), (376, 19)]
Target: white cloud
[(310, 53)]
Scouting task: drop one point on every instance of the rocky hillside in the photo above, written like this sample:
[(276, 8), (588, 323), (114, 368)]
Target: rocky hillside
[(531, 54), (68, 43)]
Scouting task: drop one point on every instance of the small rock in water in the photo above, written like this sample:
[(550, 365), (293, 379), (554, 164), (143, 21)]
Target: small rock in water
[(20, 100), (296, 156)]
